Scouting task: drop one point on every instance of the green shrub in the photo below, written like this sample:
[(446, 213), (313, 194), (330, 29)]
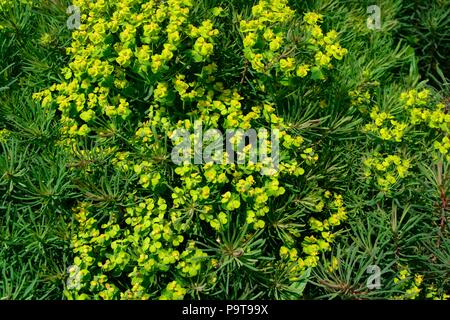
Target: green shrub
[(151, 235), (110, 190)]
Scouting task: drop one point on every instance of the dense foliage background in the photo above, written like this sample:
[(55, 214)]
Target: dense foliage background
[(396, 219)]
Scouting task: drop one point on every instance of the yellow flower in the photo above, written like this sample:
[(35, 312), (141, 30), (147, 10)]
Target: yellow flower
[(312, 18), (87, 115), (124, 57), (84, 130), (276, 44), (287, 64), (322, 59), (302, 70), (173, 37), (156, 63), (143, 54), (250, 39), (161, 92)]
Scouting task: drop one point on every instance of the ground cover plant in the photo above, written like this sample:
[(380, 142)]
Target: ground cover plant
[(224, 149)]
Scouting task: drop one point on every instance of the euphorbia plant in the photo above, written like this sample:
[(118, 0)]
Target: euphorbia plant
[(140, 72)]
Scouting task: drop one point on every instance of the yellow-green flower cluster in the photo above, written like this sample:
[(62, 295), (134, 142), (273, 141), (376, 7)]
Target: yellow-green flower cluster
[(322, 235), (173, 291), (412, 286), (249, 187), (443, 146), (432, 293), (142, 247), (8, 4), (4, 134), (268, 46), (147, 247), (362, 97), (422, 110), (386, 169), (415, 98), (199, 183), (419, 112), (96, 73), (384, 126)]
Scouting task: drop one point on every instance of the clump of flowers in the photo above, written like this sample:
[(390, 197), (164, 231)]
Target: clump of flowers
[(432, 293), (144, 79), (387, 169), (413, 287), (410, 285), (270, 49), (4, 134), (331, 208), (384, 126), (422, 110), (418, 112)]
